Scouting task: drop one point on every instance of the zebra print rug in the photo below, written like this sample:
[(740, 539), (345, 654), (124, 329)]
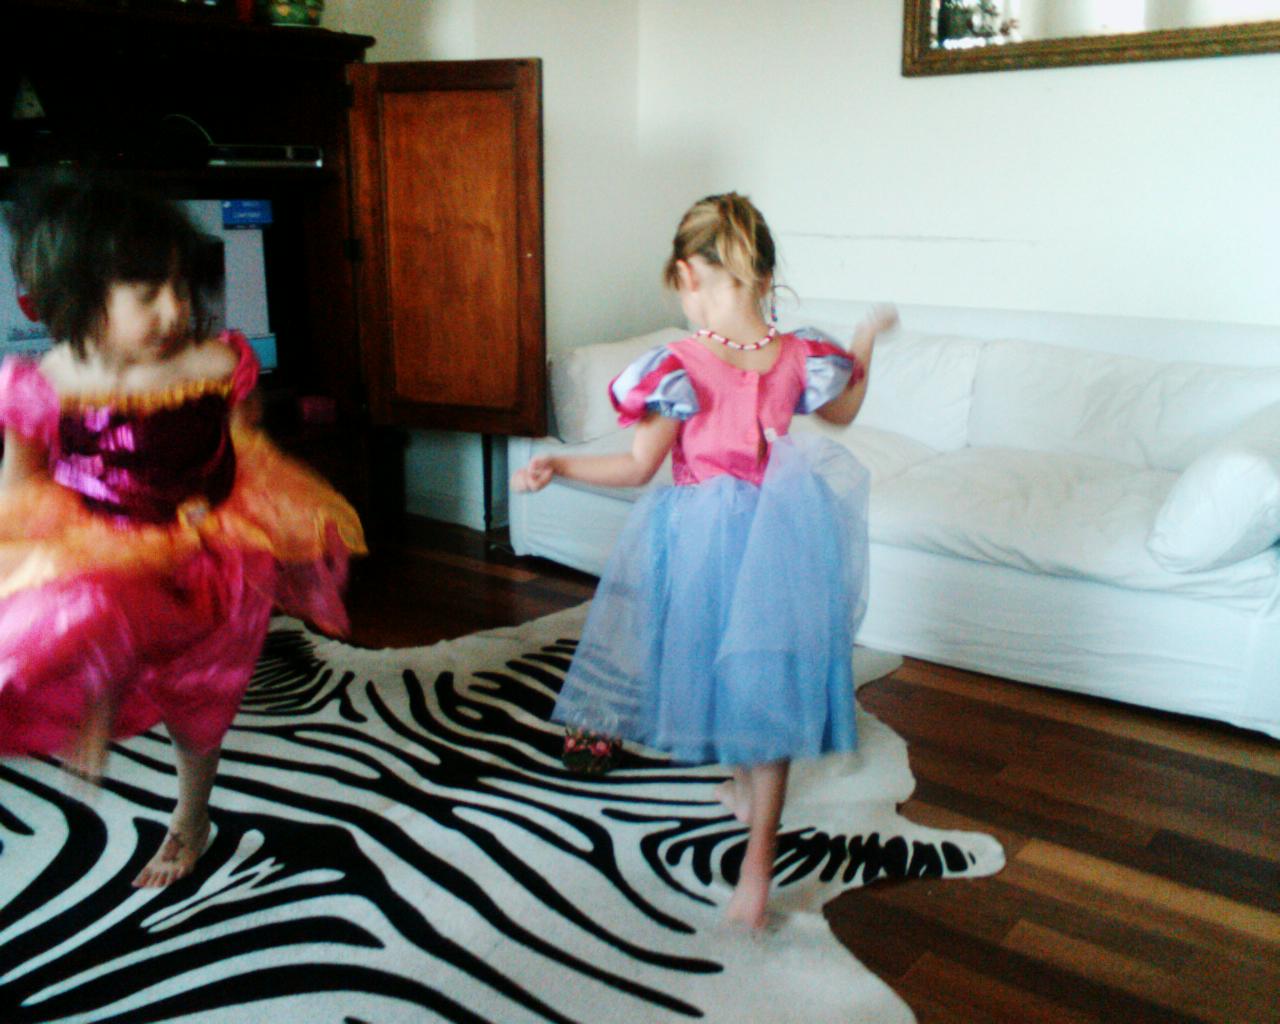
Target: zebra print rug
[(395, 841)]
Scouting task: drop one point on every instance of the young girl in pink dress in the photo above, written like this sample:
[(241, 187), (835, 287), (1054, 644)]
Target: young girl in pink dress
[(146, 530), (722, 630)]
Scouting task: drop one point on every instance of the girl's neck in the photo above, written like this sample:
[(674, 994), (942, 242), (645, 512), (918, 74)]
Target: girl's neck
[(747, 327)]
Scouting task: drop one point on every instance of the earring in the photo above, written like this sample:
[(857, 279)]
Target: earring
[(773, 306)]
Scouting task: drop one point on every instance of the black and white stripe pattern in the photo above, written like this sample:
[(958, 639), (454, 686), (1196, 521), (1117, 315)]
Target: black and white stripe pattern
[(396, 840)]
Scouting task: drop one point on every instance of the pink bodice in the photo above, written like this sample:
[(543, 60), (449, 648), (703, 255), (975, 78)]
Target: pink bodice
[(140, 456), (730, 417), (740, 412)]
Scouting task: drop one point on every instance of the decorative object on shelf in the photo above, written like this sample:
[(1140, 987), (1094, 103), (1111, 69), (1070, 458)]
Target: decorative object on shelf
[(292, 12)]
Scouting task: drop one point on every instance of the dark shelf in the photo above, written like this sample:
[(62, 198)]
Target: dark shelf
[(194, 183), (189, 28)]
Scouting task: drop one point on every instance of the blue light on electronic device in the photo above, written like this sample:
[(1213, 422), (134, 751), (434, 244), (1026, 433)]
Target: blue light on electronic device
[(246, 213), (264, 347)]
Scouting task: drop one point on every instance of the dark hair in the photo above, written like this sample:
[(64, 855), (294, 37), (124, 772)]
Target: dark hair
[(75, 237)]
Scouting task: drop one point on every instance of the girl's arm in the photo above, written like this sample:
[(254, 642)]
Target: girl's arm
[(844, 407), (653, 439), (23, 459)]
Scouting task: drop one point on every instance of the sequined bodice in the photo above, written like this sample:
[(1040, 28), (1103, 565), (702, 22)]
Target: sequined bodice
[(145, 463)]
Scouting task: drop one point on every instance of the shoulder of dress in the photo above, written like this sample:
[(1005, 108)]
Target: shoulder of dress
[(28, 401), (657, 380), (244, 375), (819, 344), (656, 362)]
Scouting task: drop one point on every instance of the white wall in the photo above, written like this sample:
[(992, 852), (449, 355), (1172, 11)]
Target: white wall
[(1140, 189)]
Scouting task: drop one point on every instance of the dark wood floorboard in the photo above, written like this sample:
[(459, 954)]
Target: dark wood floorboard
[(1143, 876)]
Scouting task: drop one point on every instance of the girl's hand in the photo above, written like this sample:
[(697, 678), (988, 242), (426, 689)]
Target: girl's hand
[(534, 476), (881, 318)]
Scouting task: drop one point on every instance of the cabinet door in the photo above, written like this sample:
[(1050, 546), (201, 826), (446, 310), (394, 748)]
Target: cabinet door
[(447, 193)]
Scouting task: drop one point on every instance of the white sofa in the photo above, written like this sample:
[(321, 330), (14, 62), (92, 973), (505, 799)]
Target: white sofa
[(1085, 503)]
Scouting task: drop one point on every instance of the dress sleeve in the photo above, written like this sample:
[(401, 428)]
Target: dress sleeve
[(28, 403), (656, 382), (245, 376), (828, 369)]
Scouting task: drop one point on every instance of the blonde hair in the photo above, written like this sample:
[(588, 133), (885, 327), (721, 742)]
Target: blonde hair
[(727, 231)]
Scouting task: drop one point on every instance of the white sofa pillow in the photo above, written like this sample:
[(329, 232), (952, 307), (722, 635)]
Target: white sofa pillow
[(580, 383), (922, 386), (921, 383), (1225, 506), (1075, 402)]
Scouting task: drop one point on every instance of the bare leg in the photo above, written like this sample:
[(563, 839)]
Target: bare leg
[(751, 896), (189, 826), (735, 794), (87, 755)]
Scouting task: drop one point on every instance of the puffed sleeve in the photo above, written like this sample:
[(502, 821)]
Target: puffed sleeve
[(28, 403), (245, 376), (656, 382), (828, 369)]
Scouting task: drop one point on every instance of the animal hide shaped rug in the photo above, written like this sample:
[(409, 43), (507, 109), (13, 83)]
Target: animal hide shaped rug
[(395, 839)]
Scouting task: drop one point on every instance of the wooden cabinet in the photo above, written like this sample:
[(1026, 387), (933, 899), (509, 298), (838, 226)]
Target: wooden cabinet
[(406, 271), (447, 171)]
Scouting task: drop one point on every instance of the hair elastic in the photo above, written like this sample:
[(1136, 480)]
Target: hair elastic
[(28, 307)]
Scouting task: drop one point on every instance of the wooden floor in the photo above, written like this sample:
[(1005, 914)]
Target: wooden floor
[(1143, 881)]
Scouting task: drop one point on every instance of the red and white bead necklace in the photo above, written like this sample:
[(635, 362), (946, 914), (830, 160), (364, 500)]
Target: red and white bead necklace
[(706, 332)]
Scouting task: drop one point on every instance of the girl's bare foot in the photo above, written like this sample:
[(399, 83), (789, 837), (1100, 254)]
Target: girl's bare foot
[(177, 855), (748, 903), (737, 802)]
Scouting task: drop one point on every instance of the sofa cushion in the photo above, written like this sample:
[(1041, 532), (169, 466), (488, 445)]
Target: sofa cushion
[(580, 382), (1060, 514), (1226, 505), (884, 453), (921, 385), (1139, 411)]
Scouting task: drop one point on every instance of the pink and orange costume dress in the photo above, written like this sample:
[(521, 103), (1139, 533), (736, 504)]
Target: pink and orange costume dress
[(143, 569)]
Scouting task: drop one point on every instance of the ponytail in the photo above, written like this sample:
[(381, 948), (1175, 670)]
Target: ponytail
[(727, 231)]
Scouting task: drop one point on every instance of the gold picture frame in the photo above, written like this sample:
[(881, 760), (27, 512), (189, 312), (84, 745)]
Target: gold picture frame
[(920, 58)]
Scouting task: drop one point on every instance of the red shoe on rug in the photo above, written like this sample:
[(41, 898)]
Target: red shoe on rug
[(590, 753)]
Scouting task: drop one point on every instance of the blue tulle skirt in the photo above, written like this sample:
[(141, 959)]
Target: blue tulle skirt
[(722, 629)]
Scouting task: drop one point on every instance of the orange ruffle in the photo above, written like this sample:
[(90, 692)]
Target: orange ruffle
[(277, 506)]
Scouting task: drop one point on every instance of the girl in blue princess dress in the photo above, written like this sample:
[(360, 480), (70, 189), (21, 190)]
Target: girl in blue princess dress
[(722, 630)]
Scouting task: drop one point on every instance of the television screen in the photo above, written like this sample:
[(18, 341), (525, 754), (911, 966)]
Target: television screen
[(237, 302)]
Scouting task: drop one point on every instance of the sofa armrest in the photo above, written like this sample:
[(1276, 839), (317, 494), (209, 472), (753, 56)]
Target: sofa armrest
[(1225, 506)]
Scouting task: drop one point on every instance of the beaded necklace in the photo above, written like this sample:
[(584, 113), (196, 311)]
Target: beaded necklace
[(706, 332)]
